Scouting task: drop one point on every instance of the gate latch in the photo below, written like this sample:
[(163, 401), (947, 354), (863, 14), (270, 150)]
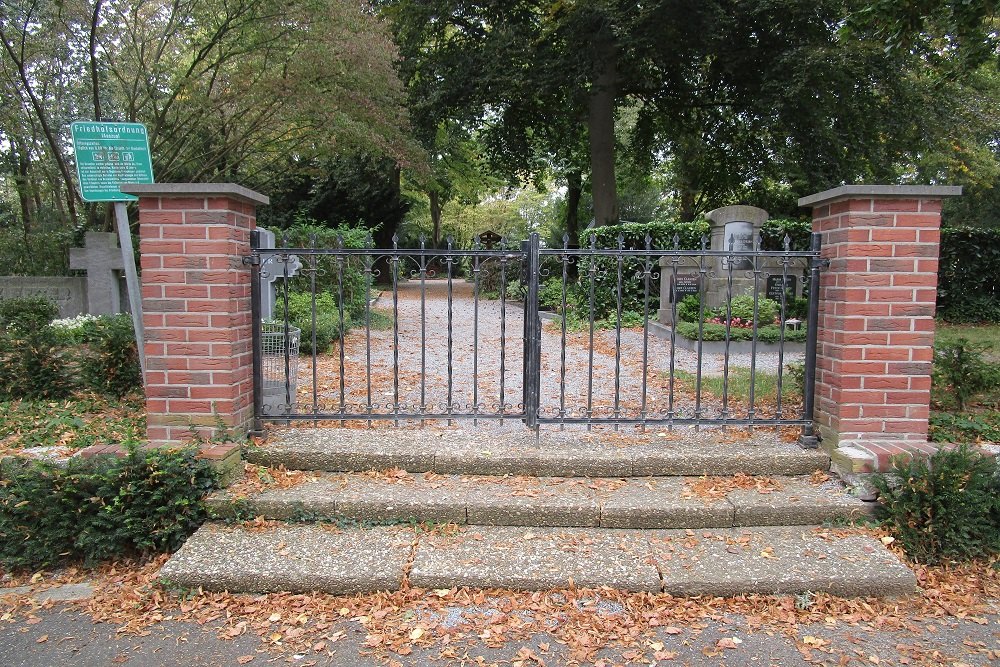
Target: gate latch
[(251, 260)]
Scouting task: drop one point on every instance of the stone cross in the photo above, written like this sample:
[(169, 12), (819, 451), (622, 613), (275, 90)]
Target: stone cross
[(272, 268), (101, 259)]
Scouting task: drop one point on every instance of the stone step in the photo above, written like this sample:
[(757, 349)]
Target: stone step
[(487, 451), (636, 502), (726, 562)]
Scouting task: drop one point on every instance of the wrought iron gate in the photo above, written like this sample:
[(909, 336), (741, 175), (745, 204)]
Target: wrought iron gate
[(456, 334)]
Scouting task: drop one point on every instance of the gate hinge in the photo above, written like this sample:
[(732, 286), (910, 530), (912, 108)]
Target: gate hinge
[(251, 260)]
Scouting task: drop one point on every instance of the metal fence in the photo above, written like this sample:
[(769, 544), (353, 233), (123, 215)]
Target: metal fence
[(571, 336)]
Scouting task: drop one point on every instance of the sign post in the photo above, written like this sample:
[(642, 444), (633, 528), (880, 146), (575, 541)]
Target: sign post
[(108, 155)]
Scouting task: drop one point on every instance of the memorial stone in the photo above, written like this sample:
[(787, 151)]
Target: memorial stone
[(102, 260)]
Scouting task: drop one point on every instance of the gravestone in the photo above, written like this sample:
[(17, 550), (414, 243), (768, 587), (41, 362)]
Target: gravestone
[(272, 268), (736, 226), (686, 284), (101, 258), (68, 293), (774, 288)]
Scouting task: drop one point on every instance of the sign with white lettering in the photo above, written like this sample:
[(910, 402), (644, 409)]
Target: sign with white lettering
[(108, 155)]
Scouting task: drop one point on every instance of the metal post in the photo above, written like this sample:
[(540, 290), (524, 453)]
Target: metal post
[(808, 439), (131, 282), (255, 334), (532, 333)]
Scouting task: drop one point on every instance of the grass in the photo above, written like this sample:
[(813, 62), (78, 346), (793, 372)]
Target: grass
[(765, 385), (981, 334), (981, 420), (78, 422)]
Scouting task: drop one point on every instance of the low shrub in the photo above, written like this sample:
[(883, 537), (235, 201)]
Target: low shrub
[(329, 326), (110, 360), (26, 314), (717, 332), (961, 372), (689, 309), (96, 509), (34, 364), (49, 361), (945, 507)]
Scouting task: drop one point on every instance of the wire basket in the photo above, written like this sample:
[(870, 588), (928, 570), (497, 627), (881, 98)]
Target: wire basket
[(279, 387)]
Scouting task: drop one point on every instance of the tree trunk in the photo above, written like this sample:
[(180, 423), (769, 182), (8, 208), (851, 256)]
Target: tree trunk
[(435, 216), (574, 189), (22, 183), (601, 131)]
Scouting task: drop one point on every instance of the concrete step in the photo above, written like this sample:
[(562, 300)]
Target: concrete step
[(636, 502), (727, 562), (486, 451)]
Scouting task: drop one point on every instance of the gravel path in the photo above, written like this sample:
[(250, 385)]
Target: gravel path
[(484, 362)]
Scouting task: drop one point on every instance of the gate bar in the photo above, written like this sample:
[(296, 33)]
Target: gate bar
[(532, 333), (808, 438)]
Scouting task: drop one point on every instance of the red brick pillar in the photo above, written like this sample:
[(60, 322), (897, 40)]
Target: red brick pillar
[(196, 308), (876, 320)]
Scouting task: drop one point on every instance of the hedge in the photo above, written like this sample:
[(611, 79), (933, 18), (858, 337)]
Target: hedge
[(969, 275)]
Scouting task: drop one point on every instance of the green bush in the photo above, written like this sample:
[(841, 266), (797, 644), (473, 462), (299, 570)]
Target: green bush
[(333, 276), (101, 508), (27, 314), (550, 295), (689, 309), (945, 507), (969, 274), (742, 307), (971, 309), (329, 326), (774, 230), (34, 364), (717, 332), (110, 360), (689, 236), (961, 371)]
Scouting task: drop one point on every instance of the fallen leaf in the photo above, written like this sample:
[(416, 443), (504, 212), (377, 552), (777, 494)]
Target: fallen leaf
[(42, 639), (244, 659)]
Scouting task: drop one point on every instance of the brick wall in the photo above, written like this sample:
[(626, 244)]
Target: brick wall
[(196, 308), (876, 319)]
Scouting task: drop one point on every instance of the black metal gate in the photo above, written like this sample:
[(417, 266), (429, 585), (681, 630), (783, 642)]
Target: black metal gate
[(423, 334)]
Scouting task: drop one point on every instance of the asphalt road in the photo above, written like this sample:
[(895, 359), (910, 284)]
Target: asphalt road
[(66, 637)]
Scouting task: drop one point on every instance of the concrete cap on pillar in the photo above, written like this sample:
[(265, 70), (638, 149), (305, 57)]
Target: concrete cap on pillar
[(231, 190), (881, 191)]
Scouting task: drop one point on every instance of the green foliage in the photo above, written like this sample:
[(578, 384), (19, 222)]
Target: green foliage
[(336, 276), (717, 332), (969, 275), (633, 236), (550, 294), (797, 308), (50, 361), (966, 427), (35, 365), (961, 372), (945, 507), (329, 326), (741, 307), (101, 508), (27, 314), (79, 421), (689, 309), (774, 230), (42, 252), (110, 362)]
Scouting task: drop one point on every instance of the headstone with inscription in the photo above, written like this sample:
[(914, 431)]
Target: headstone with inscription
[(733, 229), (68, 293), (774, 287), (102, 260)]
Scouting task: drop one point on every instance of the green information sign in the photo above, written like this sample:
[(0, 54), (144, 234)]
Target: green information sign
[(109, 154)]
